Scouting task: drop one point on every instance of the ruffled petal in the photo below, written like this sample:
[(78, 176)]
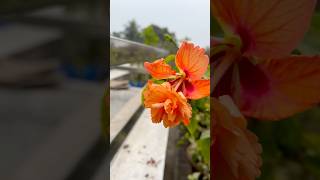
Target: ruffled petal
[(235, 151), (156, 93), (159, 69), (166, 104), (156, 114)]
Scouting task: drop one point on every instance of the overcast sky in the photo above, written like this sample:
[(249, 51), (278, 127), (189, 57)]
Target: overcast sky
[(187, 18)]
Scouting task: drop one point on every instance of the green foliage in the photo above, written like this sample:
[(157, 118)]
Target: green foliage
[(158, 81), (142, 97), (150, 36), (132, 32), (193, 127), (215, 29), (296, 52), (311, 42), (170, 58), (171, 61), (194, 176), (207, 74), (198, 136), (153, 35), (204, 148), (291, 147), (170, 39), (117, 34)]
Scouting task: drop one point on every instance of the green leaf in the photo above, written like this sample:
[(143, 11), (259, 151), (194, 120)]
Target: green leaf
[(192, 127), (170, 58), (150, 36), (204, 148), (205, 134), (215, 28), (311, 43), (296, 52), (207, 74), (202, 104), (194, 176), (171, 61), (312, 141), (158, 81), (312, 164), (171, 40), (290, 143), (142, 97)]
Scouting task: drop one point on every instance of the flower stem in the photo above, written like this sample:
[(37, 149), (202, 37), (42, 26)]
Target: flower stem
[(178, 84), (221, 68)]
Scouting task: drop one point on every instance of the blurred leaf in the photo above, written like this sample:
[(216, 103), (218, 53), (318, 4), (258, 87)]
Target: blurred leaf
[(170, 58), (158, 81), (296, 52), (202, 104), (312, 164), (142, 97), (204, 148), (267, 170), (184, 139), (132, 32), (150, 36), (207, 74), (288, 170), (288, 136), (311, 43), (171, 40), (265, 131), (192, 127), (194, 176), (215, 28), (205, 134), (312, 141)]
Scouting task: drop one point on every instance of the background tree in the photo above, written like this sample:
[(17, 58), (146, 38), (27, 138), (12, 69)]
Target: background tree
[(153, 35), (132, 32), (163, 34), (150, 36), (117, 34)]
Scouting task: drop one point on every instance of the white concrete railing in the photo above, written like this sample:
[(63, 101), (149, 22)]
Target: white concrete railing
[(142, 153)]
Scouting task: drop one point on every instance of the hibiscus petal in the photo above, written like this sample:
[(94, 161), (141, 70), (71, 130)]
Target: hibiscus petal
[(197, 89), (268, 29), (192, 60), (166, 104), (186, 122), (278, 88), (156, 114), (159, 69), (235, 152), (155, 93)]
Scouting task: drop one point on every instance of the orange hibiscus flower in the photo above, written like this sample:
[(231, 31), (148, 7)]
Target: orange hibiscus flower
[(235, 152), (253, 63), (192, 64), (166, 104)]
